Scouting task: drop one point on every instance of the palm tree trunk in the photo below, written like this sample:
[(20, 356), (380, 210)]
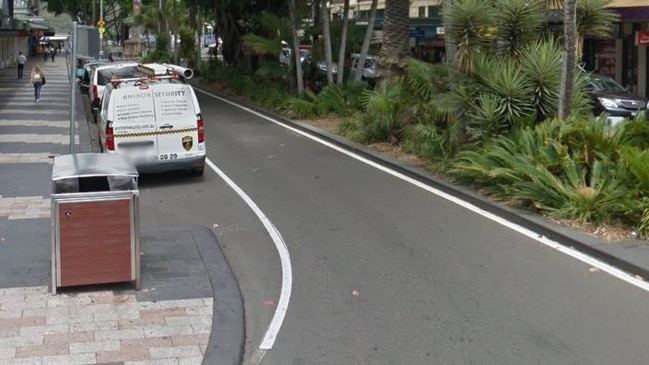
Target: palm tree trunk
[(326, 29), (296, 48), (343, 44), (569, 57), (450, 44), (394, 51), (366, 41)]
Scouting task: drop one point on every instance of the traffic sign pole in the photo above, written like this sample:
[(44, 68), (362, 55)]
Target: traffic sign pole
[(101, 33)]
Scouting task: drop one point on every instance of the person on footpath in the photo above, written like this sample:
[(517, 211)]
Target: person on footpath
[(21, 59), (37, 79), (52, 53)]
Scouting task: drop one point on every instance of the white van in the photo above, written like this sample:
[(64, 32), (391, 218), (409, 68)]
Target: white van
[(156, 123)]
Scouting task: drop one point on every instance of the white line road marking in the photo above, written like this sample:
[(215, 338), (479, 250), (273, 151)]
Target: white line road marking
[(615, 272), (285, 259)]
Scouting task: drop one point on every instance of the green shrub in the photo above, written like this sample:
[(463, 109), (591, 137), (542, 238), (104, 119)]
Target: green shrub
[(301, 107), (577, 193), (429, 141)]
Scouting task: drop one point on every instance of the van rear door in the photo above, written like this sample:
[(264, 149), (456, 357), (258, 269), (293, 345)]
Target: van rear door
[(134, 123), (176, 118)]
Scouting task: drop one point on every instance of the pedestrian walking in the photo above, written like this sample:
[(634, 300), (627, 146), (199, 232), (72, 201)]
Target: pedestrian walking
[(21, 59), (38, 80), (52, 53)]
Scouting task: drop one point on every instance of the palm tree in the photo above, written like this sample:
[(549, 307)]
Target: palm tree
[(450, 44), (292, 10), (394, 51), (326, 29), (569, 57), (343, 43), (366, 41)]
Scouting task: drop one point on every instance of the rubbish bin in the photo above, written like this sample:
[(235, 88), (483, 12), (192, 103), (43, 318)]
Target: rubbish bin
[(95, 220)]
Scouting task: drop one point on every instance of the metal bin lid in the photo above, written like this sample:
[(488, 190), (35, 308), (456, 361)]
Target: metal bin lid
[(91, 164)]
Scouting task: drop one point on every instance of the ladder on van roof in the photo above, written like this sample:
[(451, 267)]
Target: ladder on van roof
[(166, 69), (117, 80)]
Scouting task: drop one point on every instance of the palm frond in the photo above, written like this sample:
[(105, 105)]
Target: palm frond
[(262, 45)]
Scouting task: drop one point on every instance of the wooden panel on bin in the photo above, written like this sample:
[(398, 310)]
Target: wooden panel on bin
[(95, 242)]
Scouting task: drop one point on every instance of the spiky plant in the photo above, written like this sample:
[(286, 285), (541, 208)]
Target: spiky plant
[(500, 100), (518, 24), (594, 18), (541, 63), (468, 19)]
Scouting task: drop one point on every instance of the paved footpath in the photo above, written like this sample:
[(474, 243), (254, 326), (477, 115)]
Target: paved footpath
[(169, 321)]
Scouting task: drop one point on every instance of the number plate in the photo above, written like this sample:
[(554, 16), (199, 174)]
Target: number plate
[(168, 156)]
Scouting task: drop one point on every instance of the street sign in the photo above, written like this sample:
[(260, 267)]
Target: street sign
[(101, 30), (101, 23)]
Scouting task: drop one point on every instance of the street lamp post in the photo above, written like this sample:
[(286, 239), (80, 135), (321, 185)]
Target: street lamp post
[(101, 33)]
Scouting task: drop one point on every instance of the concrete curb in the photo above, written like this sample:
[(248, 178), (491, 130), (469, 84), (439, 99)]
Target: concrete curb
[(226, 343)]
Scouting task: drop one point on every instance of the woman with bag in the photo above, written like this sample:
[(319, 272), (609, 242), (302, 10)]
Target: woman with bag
[(38, 80)]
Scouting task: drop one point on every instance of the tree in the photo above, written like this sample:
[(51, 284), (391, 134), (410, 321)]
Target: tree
[(569, 57), (326, 30), (296, 46), (366, 41), (450, 43), (343, 43), (394, 52)]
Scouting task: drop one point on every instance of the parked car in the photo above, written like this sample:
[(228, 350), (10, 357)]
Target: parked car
[(101, 75), (83, 73), (613, 99), (368, 68)]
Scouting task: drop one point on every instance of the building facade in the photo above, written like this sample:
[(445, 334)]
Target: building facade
[(20, 29), (624, 55)]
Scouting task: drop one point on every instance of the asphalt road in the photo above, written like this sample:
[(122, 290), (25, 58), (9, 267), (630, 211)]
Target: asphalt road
[(385, 272)]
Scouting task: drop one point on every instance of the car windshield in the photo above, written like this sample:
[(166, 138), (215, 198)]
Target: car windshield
[(606, 84)]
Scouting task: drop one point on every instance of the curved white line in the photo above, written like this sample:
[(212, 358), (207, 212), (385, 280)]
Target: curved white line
[(615, 272), (285, 259)]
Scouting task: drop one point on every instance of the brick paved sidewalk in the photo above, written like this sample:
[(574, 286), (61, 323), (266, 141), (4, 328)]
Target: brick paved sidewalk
[(170, 321), (37, 327)]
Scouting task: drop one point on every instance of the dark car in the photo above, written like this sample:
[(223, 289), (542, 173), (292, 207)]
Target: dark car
[(613, 99)]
